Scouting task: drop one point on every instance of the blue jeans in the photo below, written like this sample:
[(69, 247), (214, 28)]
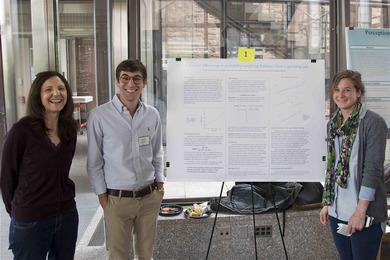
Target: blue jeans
[(55, 237), (360, 245)]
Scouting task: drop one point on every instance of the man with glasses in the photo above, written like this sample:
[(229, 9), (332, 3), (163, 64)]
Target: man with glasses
[(125, 164)]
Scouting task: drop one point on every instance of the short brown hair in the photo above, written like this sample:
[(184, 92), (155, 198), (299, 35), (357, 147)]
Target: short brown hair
[(356, 78)]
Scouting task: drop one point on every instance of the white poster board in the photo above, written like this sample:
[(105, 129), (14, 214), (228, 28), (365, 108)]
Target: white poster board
[(368, 51), (239, 121)]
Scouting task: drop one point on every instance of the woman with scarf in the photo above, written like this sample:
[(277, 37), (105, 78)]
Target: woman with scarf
[(354, 183)]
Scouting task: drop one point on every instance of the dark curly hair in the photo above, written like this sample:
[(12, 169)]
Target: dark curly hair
[(67, 127), (132, 66)]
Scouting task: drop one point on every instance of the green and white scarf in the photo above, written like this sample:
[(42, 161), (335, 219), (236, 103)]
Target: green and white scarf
[(339, 173)]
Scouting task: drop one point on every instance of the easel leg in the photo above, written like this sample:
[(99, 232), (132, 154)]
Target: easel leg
[(215, 221), (277, 217), (254, 220)]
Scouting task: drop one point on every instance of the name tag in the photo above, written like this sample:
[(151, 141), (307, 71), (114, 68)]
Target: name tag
[(143, 140)]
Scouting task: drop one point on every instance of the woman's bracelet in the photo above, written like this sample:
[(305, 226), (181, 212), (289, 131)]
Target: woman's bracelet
[(161, 189)]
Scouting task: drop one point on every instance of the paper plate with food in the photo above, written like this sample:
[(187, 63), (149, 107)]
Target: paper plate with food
[(170, 210), (198, 211)]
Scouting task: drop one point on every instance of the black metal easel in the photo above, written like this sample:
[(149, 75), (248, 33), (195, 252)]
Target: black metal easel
[(254, 221)]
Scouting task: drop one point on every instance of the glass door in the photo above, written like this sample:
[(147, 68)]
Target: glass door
[(76, 51), (52, 35), (17, 55)]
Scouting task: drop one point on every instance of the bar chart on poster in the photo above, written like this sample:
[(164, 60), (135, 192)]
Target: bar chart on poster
[(245, 121), (368, 51)]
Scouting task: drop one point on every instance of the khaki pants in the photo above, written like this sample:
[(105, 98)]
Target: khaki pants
[(125, 217)]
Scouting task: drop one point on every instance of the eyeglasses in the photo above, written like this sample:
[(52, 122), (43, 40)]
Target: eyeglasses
[(136, 79)]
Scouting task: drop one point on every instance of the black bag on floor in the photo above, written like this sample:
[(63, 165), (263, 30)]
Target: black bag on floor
[(266, 196), (311, 193)]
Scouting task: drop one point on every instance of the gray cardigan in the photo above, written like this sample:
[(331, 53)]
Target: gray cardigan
[(371, 157)]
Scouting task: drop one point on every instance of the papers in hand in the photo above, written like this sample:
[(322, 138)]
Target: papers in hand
[(343, 229)]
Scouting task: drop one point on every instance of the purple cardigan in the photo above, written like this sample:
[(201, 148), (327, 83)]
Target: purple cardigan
[(34, 177)]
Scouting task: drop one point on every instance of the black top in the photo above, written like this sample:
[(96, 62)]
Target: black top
[(34, 178)]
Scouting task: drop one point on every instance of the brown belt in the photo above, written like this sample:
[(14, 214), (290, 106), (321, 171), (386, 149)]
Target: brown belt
[(133, 194)]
